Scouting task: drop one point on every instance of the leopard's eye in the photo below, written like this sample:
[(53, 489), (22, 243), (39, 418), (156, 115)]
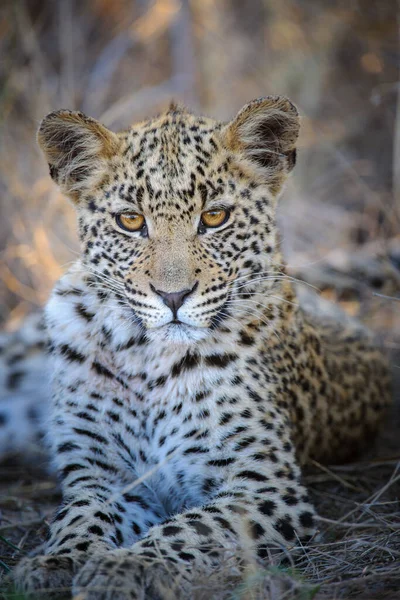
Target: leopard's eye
[(214, 218), (130, 221)]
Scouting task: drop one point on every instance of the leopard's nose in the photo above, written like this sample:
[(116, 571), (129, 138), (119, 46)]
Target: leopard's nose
[(174, 300)]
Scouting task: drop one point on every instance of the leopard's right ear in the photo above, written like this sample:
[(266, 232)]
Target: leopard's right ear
[(77, 149)]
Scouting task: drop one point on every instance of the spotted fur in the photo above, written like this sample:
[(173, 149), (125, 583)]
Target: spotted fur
[(179, 437)]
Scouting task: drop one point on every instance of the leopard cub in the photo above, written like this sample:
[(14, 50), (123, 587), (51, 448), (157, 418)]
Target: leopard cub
[(187, 385)]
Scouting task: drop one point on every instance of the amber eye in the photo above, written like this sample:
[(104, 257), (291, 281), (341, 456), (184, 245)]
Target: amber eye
[(214, 218), (130, 221)]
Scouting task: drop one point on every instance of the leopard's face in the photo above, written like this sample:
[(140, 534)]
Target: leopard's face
[(178, 221)]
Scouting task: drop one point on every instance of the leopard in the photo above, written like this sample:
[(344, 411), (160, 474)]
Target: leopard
[(183, 386)]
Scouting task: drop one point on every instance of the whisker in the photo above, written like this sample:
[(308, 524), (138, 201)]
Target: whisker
[(89, 268), (279, 298), (110, 280), (105, 287), (67, 264), (276, 276), (228, 316), (259, 273), (250, 310)]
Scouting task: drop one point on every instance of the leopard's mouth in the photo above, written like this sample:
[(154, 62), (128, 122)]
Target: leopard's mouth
[(180, 326), (178, 332)]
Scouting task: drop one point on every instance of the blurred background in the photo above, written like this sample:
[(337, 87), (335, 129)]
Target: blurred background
[(123, 60)]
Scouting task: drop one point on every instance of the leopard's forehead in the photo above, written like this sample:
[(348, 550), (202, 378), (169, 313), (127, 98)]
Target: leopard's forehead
[(178, 156), (172, 135)]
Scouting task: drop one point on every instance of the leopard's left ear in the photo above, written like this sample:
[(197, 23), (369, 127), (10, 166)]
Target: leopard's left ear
[(265, 132)]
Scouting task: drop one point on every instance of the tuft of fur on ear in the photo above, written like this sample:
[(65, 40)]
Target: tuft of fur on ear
[(76, 148), (265, 131)]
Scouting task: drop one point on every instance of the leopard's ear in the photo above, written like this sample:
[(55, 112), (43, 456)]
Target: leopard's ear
[(265, 131), (77, 149)]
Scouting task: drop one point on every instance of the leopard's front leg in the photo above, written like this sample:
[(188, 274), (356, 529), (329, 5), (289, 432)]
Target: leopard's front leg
[(93, 520), (163, 564), (94, 517), (84, 523), (260, 505)]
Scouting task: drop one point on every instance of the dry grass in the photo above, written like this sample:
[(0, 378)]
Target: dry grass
[(122, 59)]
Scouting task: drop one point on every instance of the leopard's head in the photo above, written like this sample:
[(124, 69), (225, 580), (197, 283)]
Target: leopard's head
[(177, 214)]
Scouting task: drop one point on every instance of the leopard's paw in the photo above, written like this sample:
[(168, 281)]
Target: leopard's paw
[(124, 575), (46, 577)]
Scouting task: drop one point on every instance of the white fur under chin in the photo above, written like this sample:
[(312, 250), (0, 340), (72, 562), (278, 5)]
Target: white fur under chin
[(177, 334)]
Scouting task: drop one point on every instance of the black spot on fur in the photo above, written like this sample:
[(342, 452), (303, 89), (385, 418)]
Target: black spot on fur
[(306, 519), (220, 360), (267, 507), (285, 528), (72, 354)]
